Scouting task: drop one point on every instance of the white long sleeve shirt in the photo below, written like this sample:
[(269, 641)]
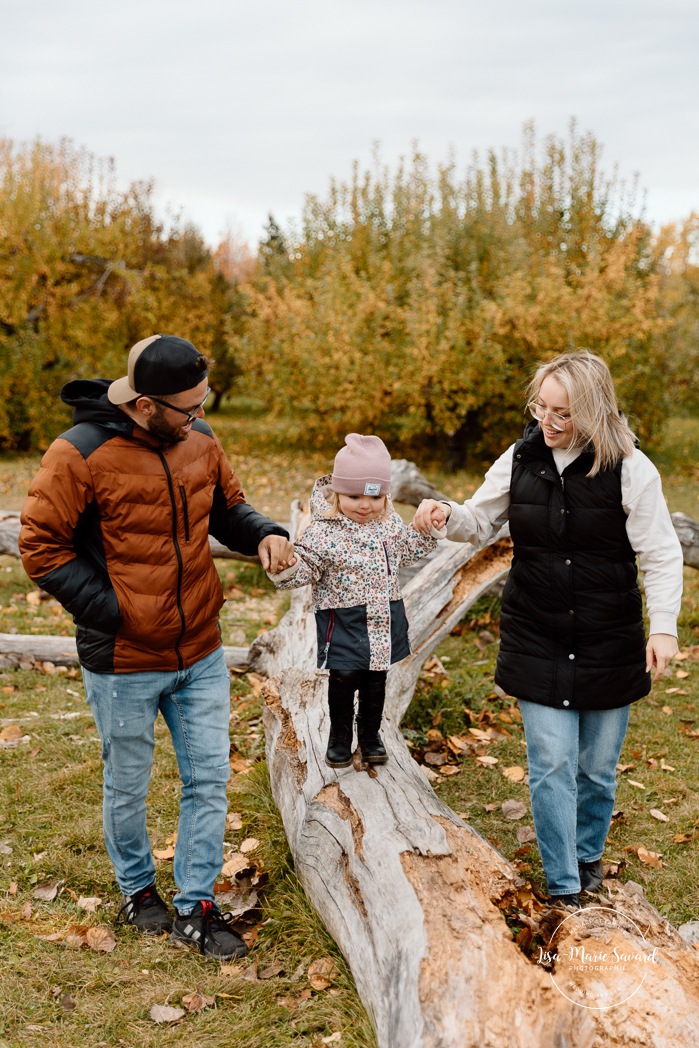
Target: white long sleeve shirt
[(648, 526)]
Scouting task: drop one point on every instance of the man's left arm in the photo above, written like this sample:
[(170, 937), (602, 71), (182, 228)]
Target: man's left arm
[(242, 528)]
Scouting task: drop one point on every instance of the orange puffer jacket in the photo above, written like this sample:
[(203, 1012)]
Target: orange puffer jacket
[(116, 527)]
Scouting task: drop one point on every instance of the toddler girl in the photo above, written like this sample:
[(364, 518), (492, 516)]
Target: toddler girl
[(350, 553)]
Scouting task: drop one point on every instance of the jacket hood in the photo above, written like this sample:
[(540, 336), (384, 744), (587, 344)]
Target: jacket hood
[(320, 501), (88, 399)]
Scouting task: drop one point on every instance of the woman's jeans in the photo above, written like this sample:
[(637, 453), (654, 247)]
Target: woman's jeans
[(195, 704), (572, 757)]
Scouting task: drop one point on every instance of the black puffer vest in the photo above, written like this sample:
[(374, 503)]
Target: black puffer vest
[(572, 626)]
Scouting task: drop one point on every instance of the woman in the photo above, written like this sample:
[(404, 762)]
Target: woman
[(582, 503)]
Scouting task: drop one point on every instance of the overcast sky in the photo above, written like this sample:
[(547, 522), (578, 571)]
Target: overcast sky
[(240, 109)]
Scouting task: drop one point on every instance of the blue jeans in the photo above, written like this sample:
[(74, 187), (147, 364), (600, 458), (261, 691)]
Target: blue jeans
[(572, 757), (195, 704)]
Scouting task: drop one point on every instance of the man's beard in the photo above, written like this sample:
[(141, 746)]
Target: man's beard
[(164, 430)]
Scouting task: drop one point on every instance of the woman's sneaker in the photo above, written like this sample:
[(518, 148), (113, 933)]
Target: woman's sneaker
[(146, 911), (591, 875), (209, 931)]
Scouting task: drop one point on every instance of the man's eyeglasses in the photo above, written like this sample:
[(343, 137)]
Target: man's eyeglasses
[(556, 420), (191, 415)]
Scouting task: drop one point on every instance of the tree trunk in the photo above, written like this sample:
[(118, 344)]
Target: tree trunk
[(415, 898), (688, 534)]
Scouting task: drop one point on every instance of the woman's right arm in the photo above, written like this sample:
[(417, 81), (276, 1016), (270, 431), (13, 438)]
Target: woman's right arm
[(478, 519)]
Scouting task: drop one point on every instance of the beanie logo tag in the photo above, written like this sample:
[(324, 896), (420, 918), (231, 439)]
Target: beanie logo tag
[(372, 489)]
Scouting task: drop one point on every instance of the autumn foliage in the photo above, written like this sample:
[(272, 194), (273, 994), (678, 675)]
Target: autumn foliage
[(413, 303)]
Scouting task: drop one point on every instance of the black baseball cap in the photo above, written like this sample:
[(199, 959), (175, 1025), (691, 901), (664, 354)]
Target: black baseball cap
[(159, 365)]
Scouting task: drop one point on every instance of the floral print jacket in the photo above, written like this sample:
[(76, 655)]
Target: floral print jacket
[(353, 571)]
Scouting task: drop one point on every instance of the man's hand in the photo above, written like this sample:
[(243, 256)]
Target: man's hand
[(660, 649), (276, 553), (431, 514)]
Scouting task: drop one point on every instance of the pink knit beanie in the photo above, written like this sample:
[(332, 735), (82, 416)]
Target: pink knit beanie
[(363, 467)]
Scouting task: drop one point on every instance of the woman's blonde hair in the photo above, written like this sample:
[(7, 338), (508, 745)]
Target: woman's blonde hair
[(334, 505), (592, 403)]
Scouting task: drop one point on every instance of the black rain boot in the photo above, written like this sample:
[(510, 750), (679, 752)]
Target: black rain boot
[(341, 689), (372, 691)]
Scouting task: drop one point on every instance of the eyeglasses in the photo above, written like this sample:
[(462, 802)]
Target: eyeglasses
[(556, 420), (191, 415)]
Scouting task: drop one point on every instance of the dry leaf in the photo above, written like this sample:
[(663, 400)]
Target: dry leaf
[(682, 838), (436, 759), (162, 1013), (249, 845), (101, 938), (271, 971), (668, 709), (11, 733), (5, 849), (487, 760), (198, 1001), (234, 821), (450, 769), (34, 598), (638, 785), (649, 858), (235, 863), (164, 853), (525, 834), (666, 767), (27, 911), (659, 815), (681, 674), (75, 938), (90, 903), (514, 809), (47, 892), (14, 888), (322, 973), (515, 773)]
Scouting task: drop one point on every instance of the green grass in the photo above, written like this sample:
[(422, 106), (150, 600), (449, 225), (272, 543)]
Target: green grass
[(50, 799)]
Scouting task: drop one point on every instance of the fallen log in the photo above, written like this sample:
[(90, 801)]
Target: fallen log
[(27, 651), (688, 534), (417, 900)]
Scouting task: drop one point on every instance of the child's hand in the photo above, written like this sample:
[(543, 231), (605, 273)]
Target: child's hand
[(431, 514)]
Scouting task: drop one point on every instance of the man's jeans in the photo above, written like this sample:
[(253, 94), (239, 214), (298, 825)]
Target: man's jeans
[(572, 757), (195, 704)]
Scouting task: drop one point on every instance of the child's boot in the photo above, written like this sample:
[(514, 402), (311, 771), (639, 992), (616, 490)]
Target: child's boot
[(371, 700), (339, 751)]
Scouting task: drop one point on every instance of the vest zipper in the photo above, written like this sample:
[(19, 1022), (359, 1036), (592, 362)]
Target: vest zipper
[(328, 637), (388, 595)]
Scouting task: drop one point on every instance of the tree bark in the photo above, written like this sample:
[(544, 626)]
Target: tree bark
[(28, 651), (688, 534), (414, 897)]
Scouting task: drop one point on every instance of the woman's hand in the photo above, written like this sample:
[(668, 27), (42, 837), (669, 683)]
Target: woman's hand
[(431, 514), (660, 649)]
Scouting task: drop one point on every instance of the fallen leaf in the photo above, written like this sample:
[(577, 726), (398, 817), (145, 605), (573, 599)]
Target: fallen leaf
[(48, 891), (513, 809), (334, 1038), (450, 769), (27, 911), (322, 973), (525, 834), (198, 1001), (11, 733), (235, 863), (458, 744), (162, 1013), (75, 938), (14, 888), (90, 903), (5, 849), (234, 821), (164, 853), (515, 774), (436, 759), (487, 760), (101, 938), (638, 785), (659, 815), (681, 674), (666, 767), (34, 597), (68, 1003), (682, 838), (271, 971), (649, 858)]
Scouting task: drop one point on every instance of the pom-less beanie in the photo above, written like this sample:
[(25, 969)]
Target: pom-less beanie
[(363, 467)]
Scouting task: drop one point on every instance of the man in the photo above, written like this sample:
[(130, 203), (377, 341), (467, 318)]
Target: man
[(116, 527)]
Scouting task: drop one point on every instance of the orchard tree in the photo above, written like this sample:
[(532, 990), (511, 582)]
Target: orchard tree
[(417, 305)]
